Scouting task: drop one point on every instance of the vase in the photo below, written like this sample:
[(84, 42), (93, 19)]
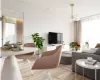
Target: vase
[(72, 49), (39, 53)]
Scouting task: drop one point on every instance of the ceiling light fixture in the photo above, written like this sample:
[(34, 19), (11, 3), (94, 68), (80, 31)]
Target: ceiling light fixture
[(73, 16), (72, 10)]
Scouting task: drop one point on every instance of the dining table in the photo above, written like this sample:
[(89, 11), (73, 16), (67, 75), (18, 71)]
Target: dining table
[(9, 65)]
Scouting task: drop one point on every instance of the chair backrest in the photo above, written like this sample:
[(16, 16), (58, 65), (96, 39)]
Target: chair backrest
[(29, 45), (58, 54), (98, 45), (50, 61)]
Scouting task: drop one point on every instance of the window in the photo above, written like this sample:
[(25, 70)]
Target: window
[(91, 32), (10, 33)]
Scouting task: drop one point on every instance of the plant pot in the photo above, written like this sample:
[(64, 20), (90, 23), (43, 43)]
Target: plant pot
[(72, 49)]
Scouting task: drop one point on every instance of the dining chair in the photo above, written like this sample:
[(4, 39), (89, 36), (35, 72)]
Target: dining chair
[(26, 56), (29, 45), (48, 60)]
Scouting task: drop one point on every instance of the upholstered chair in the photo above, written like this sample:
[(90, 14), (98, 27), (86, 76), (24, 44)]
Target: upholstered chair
[(48, 60), (29, 45), (27, 56)]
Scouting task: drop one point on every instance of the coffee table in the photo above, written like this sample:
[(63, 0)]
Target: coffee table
[(81, 63)]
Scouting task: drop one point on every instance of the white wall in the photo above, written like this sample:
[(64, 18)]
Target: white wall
[(42, 17), (0, 8), (50, 15)]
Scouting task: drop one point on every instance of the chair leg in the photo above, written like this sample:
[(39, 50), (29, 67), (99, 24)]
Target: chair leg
[(48, 76), (29, 63)]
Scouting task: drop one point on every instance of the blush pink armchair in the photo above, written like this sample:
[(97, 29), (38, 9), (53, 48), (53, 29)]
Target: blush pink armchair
[(49, 59), (27, 56), (29, 45)]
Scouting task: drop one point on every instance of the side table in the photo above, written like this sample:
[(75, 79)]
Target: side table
[(66, 58), (81, 63)]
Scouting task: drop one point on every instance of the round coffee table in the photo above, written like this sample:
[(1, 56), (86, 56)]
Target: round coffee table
[(81, 63)]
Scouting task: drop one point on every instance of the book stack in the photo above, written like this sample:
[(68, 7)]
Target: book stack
[(91, 62)]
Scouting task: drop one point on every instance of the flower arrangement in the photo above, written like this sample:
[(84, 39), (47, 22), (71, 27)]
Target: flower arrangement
[(74, 45), (12, 47)]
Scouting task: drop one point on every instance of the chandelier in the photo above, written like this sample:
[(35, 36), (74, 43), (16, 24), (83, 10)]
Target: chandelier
[(73, 17), (72, 11)]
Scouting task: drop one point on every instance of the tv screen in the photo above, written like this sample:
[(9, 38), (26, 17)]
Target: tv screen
[(59, 38), (55, 38)]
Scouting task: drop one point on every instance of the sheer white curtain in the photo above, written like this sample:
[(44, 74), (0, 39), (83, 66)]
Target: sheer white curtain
[(91, 30), (10, 32)]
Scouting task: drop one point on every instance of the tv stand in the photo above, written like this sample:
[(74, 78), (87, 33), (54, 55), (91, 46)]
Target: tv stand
[(50, 47), (53, 46)]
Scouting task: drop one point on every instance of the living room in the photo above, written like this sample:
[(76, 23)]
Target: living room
[(77, 21)]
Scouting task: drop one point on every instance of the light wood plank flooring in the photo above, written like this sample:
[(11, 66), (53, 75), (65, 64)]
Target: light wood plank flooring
[(63, 72)]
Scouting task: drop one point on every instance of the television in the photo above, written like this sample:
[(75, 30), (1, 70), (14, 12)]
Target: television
[(55, 38)]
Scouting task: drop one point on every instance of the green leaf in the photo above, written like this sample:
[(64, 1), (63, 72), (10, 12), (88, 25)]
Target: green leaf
[(38, 40)]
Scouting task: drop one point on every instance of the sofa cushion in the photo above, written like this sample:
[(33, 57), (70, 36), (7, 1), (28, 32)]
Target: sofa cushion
[(92, 50), (97, 51)]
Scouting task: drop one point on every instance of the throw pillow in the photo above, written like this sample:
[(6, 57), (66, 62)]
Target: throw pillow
[(92, 50), (97, 51)]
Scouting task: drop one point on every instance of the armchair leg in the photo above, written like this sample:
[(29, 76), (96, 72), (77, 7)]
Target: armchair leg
[(48, 76), (29, 63)]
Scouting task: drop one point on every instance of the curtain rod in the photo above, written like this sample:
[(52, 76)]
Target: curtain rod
[(89, 16)]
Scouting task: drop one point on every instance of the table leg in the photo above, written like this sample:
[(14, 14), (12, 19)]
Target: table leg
[(75, 71), (11, 69), (95, 74), (2, 59), (83, 73)]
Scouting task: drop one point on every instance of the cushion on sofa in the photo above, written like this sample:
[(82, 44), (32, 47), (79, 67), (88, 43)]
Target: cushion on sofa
[(92, 50), (97, 51)]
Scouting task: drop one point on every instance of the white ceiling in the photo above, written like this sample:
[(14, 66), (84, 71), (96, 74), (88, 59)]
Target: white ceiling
[(82, 8)]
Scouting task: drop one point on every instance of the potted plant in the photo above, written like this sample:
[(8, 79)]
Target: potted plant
[(74, 45), (38, 40), (20, 45), (87, 44)]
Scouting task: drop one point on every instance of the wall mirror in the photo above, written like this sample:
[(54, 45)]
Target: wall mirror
[(11, 26)]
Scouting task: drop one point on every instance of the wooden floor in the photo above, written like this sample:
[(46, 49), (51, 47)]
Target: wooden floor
[(63, 72)]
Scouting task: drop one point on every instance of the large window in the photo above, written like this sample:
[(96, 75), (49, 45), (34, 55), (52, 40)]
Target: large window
[(10, 33), (91, 32), (12, 30)]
